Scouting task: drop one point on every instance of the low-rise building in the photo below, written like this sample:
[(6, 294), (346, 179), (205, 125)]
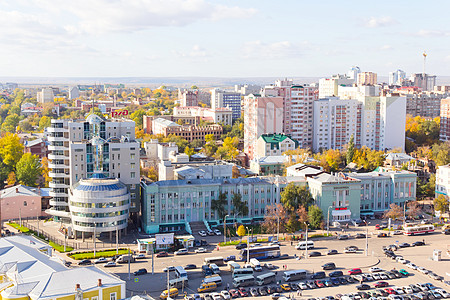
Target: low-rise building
[(274, 144), (220, 115), (302, 170), (187, 132), (174, 170), (37, 147), (269, 165), (24, 202), (443, 181)]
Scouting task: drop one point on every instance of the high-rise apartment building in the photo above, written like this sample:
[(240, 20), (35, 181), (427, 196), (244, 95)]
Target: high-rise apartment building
[(45, 95), (328, 87), (353, 72), (367, 78), (397, 77), (424, 81), (424, 104), (80, 149), (231, 100), (444, 134)]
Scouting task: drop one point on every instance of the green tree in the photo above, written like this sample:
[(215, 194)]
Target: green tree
[(295, 196), (293, 224), (10, 123), (241, 231), (441, 153), (11, 150), (350, 150), (239, 207), (137, 117), (26, 125), (28, 169), (441, 204), (219, 205), (315, 217), (44, 122), (189, 151)]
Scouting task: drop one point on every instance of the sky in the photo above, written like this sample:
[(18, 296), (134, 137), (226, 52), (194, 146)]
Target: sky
[(246, 38)]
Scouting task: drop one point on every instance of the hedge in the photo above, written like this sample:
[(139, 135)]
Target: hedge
[(98, 254)]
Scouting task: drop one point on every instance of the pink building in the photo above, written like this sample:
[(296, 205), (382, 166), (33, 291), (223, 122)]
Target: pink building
[(24, 202)]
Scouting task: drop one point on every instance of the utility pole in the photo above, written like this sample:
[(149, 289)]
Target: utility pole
[(20, 216), (168, 285), (117, 240), (367, 238), (95, 225), (306, 224), (129, 261), (225, 229), (248, 245), (404, 213), (37, 218), (328, 220), (278, 228), (153, 265)]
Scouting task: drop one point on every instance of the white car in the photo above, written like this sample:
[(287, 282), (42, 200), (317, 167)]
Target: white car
[(169, 268), (140, 256), (202, 233), (350, 251), (302, 286), (375, 269), (398, 290), (200, 250), (216, 296), (110, 264), (443, 292), (402, 261), (376, 276), (423, 270), (398, 232), (407, 289), (269, 266), (217, 232), (100, 260), (412, 266), (181, 252), (225, 295)]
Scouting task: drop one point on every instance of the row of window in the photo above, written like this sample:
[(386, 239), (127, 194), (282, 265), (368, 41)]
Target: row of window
[(100, 215), (99, 205)]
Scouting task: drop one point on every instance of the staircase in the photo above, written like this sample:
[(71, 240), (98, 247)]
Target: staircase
[(196, 227)]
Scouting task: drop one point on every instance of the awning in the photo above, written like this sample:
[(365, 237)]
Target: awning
[(345, 212)]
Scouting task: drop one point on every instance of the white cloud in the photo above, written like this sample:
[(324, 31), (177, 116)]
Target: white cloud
[(374, 22), (195, 52), (276, 50), (432, 33)]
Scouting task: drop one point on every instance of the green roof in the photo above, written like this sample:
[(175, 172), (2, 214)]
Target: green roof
[(275, 139), (297, 87)]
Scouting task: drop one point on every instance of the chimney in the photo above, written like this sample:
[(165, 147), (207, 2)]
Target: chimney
[(99, 282), (77, 286)]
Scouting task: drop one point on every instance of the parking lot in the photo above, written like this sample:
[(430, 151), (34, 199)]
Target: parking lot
[(420, 256)]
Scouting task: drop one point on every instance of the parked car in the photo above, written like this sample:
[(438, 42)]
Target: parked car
[(380, 284), (355, 271), (241, 246), (200, 250), (350, 250), (336, 274), (363, 287), (202, 233), (190, 267), (418, 243), (140, 256), (234, 293), (110, 264), (404, 245), (329, 266), (343, 237), (142, 271), (230, 258), (269, 266), (162, 254), (242, 292), (360, 236), (318, 275), (314, 253), (210, 232), (182, 251), (397, 232), (382, 235), (332, 252), (375, 269), (100, 260), (84, 262), (169, 268), (217, 232)]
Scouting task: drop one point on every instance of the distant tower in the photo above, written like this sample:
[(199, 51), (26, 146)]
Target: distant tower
[(424, 61)]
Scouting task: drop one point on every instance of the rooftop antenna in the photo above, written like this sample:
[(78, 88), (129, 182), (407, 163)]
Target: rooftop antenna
[(424, 61)]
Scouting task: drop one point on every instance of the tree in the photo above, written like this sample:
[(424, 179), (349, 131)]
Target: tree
[(241, 231), (189, 151), (11, 178), (413, 209), (28, 169), (137, 117), (239, 207), (441, 204), (219, 205), (275, 213), (441, 153), (44, 122), (295, 196), (235, 172), (302, 214), (315, 217), (395, 212), (45, 170), (10, 123), (11, 150), (350, 150)]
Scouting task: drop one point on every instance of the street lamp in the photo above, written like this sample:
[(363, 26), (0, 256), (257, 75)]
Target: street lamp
[(404, 212), (328, 220), (367, 237), (225, 229), (306, 247), (248, 244)]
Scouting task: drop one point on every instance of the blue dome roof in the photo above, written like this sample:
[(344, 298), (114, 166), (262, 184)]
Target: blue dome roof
[(93, 188)]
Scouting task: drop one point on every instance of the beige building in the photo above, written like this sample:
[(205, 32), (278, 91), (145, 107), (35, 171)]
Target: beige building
[(367, 78), (45, 95), (188, 132), (221, 115)]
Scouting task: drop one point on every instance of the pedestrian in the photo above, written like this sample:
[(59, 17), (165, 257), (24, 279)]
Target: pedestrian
[(298, 292), (423, 241), (291, 243), (228, 286)]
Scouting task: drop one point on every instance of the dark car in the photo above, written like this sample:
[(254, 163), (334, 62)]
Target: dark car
[(85, 262), (293, 286), (342, 280), (242, 292), (404, 245), (318, 275), (336, 274), (241, 246), (142, 271), (418, 243), (329, 266), (262, 291), (332, 252), (315, 253), (382, 235), (190, 267), (162, 254), (349, 279), (360, 236), (335, 281), (230, 258), (363, 287), (203, 243)]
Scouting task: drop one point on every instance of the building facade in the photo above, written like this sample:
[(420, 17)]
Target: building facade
[(424, 81), (36, 147), (397, 78), (367, 78), (274, 145), (187, 132), (79, 148), (423, 104), (444, 134), (45, 95), (328, 87), (443, 181), (24, 202), (222, 116), (221, 99)]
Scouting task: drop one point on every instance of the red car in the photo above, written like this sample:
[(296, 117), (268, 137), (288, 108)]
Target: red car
[(380, 284), (234, 293), (355, 271), (319, 283), (242, 292), (162, 254), (391, 291)]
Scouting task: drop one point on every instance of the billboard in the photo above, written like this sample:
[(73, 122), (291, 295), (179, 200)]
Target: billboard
[(164, 239)]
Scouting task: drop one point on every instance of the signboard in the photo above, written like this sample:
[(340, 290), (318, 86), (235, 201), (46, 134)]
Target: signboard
[(164, 239), (116, 114)]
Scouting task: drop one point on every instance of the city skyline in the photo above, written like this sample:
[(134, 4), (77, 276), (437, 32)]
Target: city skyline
[(45, 38)]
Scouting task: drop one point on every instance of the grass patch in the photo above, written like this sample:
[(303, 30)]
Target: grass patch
[(18, 227), (234, 243), (319, 235), (98, 254), (60, 248)]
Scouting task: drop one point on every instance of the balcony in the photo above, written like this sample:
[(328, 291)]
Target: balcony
[(58, 203), (59, 156), (51, 129), (58, 194), (58, 213), (58, 175), (57, 139), (58, 166), (64, 148), (52, 184)]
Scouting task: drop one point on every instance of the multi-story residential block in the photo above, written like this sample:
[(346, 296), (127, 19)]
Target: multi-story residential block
[(444, 134), (375, 122), (378, 190), (353, 73), (233, 100), (424, 81), (354, 92), (397, 77), (261, 115), (222, 116), (79, 149), (247, 89), (367, 78), (74, 92), (328, 87), (45, 95), (170, 205), (188, 132), (443, 181), (424, 104), (193, 97), (274, 144)]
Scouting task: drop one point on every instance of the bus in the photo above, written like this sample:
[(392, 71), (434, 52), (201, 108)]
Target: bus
[(213, 278), (180, 272), (243, 281), (242, 272), (178, 283), (233, 266), (265, 278), (418, 229), (294, 275), (214, 260), (263, 252)]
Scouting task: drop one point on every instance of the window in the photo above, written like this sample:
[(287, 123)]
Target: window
[(113, 296), (24, 203), (132, 165), (133, 175), (132, 155)]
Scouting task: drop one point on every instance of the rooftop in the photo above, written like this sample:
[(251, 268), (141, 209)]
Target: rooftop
[(22, 190), (166, 122)]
